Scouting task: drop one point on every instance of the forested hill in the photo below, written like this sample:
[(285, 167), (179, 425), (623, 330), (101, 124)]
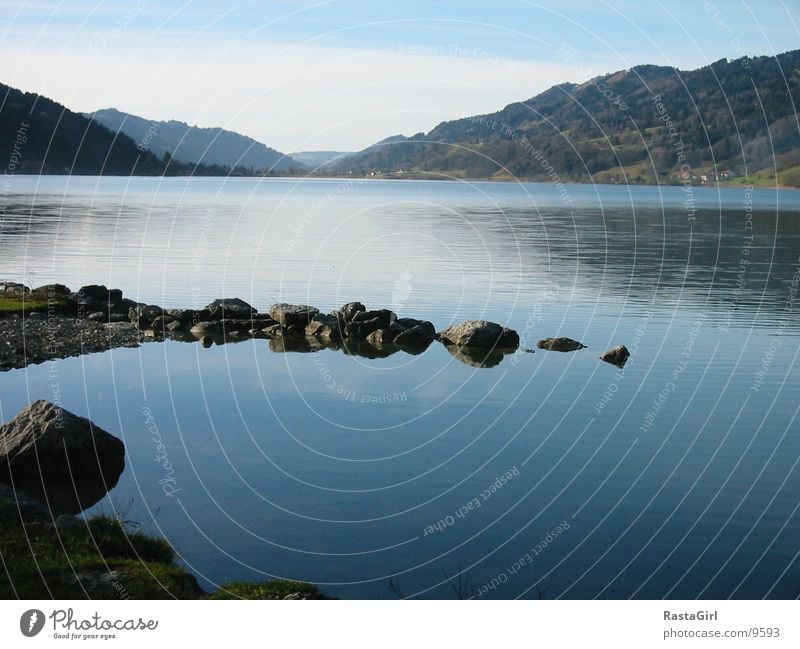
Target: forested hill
[(38, 135), (735, 119)]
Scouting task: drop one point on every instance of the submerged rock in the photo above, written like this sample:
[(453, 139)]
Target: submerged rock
[(65, 459), (479, 333), (560, 344), (617, 356)]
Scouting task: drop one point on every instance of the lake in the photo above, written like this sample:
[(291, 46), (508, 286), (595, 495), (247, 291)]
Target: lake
[(550, 475)]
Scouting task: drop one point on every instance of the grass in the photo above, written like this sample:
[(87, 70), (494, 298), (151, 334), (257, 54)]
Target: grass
[(789, 177), (104, 558), (279, 589), (18, 305), (100, 559)]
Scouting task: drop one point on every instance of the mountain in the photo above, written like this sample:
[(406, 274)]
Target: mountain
[(190, 144), (318, 159), (646, 124), (38, 135)]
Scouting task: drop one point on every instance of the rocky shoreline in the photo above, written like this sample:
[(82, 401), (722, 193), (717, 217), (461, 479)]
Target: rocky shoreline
[(52, 322)]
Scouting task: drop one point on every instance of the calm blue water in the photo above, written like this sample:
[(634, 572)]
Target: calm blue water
[(550, 475)]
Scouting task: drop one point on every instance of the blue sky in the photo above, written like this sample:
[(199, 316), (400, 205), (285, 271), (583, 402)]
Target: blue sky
[(341, 74)]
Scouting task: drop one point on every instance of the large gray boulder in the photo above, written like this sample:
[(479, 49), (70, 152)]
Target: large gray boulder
[(234, 309), (292, 315), (71, 459), (479, 333)]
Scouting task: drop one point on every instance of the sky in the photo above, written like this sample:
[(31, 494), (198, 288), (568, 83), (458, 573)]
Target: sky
[(342, 74)]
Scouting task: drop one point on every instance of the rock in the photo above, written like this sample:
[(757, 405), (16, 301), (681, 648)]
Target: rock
[(175, 325), (365, 322), (274, 331), (97, 316), (221, 327), (189, 317), (324, 327), (51, 290), (292, 314), (380, 337), (407, 323), (160, 323), (560, 344), (12, 289), (396, 328), (617, 356), (99, 293), (121, 307), (104, 583), (143, 315), (206, 341), (384, 315), (30, 508), (230, 309), (350, 310), (67, 522), (479, 333), (46, 448), (417, 337)]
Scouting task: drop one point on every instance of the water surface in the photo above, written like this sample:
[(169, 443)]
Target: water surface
[(550, 475)]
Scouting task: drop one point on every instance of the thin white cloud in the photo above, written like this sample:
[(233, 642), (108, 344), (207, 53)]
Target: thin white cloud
[(304, 98)]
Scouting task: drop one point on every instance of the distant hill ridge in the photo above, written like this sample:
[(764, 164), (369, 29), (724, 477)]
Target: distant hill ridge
[(646, 124), (196, 144)]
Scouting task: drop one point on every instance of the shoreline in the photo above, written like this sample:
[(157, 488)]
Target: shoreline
[(412, 177)]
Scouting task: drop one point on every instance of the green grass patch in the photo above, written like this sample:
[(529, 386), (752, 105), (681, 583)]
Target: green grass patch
[(98, 559), (279, 589), (19, 305), (106, 558)]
